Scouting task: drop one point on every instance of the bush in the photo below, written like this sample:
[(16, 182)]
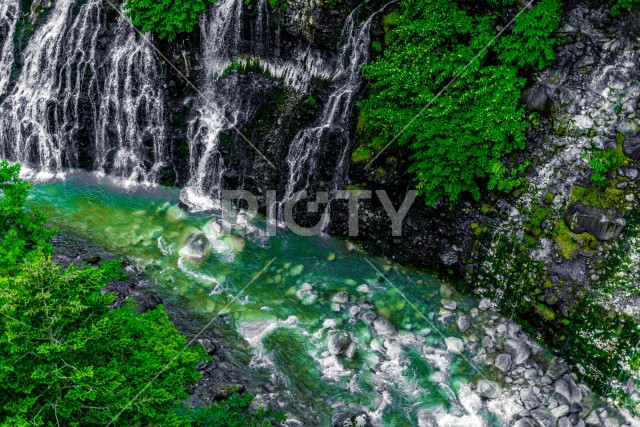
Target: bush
[(167, 18), (531, 43), (21, 232), (233, 412), (620, 5), (458, 142)]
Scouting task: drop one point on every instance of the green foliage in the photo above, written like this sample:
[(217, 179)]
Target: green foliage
[(606, 161), (69, 358), (459, 140), (167, 18), (532, 41), (620, 5), (21, 232), (233, 412), (311, 101)]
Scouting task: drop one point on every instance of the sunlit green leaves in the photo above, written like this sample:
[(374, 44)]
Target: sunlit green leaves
[(532, 41), (166, 18), (457, 141)]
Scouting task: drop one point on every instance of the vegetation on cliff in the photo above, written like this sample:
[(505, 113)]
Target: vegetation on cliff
[(458, 137), (166, 18)]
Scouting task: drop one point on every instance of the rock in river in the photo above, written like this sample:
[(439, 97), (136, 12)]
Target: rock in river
[(488, 389), (338, 342), (503, 362), (196, 248), (384, 328), (567, 391), (519, 351)]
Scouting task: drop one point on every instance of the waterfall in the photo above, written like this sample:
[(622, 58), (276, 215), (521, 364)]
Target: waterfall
[(219, 106), (131, 121), (70, 96), (305, 149), (9, 11), (30, 128)]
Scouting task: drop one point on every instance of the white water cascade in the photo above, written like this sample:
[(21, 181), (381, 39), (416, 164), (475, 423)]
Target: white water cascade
[(131, 121), (9, 10), (305, 149), (219, 107), (71, 96)]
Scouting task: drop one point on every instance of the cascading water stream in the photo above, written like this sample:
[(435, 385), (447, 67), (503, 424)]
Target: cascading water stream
[(306, 147), (130, 122), (30, 128), (70, 96), (219, 106), (9, 11)]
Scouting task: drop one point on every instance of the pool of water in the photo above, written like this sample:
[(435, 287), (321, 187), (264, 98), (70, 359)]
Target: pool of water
[(285, 316)]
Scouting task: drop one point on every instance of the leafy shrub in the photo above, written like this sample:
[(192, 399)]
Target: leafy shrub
[(606, 161), (167, 18), (68, 356), (21, 232), (233, 412), (531, 43), (459, 141), (620, 5)]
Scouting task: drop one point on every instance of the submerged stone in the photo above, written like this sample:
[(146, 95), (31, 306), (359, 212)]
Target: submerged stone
[(196, 248), (454, 345)]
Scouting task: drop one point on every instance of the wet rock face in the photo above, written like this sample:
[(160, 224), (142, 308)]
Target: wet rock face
[(582, 219), (631, 147)]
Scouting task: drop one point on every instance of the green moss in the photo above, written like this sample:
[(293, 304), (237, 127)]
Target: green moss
[(485, 209), (606, 198), (534, 225), (548, 198), (545, 312), (479, 230), (569, 243), (391, 19), (605, 161), (311, 101)]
